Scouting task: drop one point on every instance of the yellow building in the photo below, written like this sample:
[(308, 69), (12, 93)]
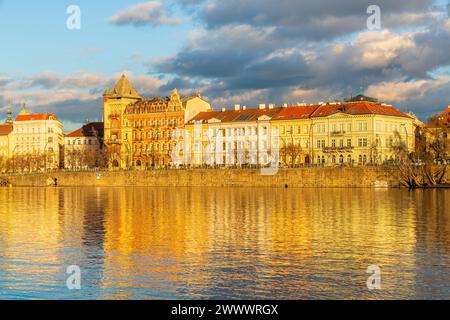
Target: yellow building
[(359, 131), (140, 132), (6, 131)]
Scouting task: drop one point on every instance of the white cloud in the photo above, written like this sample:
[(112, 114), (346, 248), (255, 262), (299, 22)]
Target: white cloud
[(150, 13), (400, 91)]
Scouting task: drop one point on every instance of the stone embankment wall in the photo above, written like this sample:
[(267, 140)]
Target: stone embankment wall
[(363, 177)]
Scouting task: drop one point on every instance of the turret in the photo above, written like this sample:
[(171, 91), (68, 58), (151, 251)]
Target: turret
[(24, 111), (9, 119)]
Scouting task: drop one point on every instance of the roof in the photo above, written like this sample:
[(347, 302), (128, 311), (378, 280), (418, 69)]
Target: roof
[(300, 112), (123, 89), (156, 104), (92, 129), (358, 108), (36, 117), (247, 115), (361, 97), (5, 129), (442, 119)]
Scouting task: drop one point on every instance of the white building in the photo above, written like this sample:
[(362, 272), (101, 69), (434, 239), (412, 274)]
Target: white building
[(38, 135), (82, 147)]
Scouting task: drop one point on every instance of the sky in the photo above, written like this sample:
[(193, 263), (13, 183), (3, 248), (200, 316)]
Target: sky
[(233, 52)]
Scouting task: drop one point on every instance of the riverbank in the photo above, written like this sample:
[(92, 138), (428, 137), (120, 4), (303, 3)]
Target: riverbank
[(360, 177)]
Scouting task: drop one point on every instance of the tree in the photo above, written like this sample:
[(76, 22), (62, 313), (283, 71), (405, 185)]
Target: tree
[(290, 153)]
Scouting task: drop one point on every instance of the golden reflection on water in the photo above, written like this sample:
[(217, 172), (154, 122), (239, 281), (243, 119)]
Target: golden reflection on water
[(143, 243)]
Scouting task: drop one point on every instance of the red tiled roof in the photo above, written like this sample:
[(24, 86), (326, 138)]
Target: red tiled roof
[(88, 130), (442, 119), (5, 129), (36, 117), (290, 113), (247, 115), (302, 112), (359, 108)]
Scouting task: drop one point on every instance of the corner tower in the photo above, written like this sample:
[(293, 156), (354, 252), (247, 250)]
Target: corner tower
[(114, 103)]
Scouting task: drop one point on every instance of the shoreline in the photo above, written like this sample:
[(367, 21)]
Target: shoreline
[(314, 177)]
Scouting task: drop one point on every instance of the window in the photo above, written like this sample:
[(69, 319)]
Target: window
[(50, 140), (333, 143)]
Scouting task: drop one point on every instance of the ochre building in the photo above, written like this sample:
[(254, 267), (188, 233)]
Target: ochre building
[(139, 132)]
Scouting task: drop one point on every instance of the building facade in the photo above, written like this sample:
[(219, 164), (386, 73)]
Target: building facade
[(6, 142), (5, 147), (437, 135), (140, 132), (83, 147), (37, 136), (359, 131), (231, 137)]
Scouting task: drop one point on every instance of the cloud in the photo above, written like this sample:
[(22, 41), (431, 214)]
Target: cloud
[(151, 13), (401, 91), (313, 20), (298, 50), (73, 98), (4, 79), (53, 80)]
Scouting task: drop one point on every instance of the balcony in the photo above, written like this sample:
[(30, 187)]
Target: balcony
[(338, 133), (114, 116), (112, 141), (337, 149)]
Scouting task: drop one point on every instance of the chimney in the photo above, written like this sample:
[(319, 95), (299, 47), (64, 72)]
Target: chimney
[(271, 106), (244, 108), (237, 107), (262, 106), (223, 109), (285, 105)]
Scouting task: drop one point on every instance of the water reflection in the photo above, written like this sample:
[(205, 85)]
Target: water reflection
[(143, 243)]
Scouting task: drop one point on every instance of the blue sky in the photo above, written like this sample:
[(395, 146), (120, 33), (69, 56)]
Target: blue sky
[(234, 51), (35, 38)]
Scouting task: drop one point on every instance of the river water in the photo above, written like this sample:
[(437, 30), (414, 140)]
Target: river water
[(206, 243)]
